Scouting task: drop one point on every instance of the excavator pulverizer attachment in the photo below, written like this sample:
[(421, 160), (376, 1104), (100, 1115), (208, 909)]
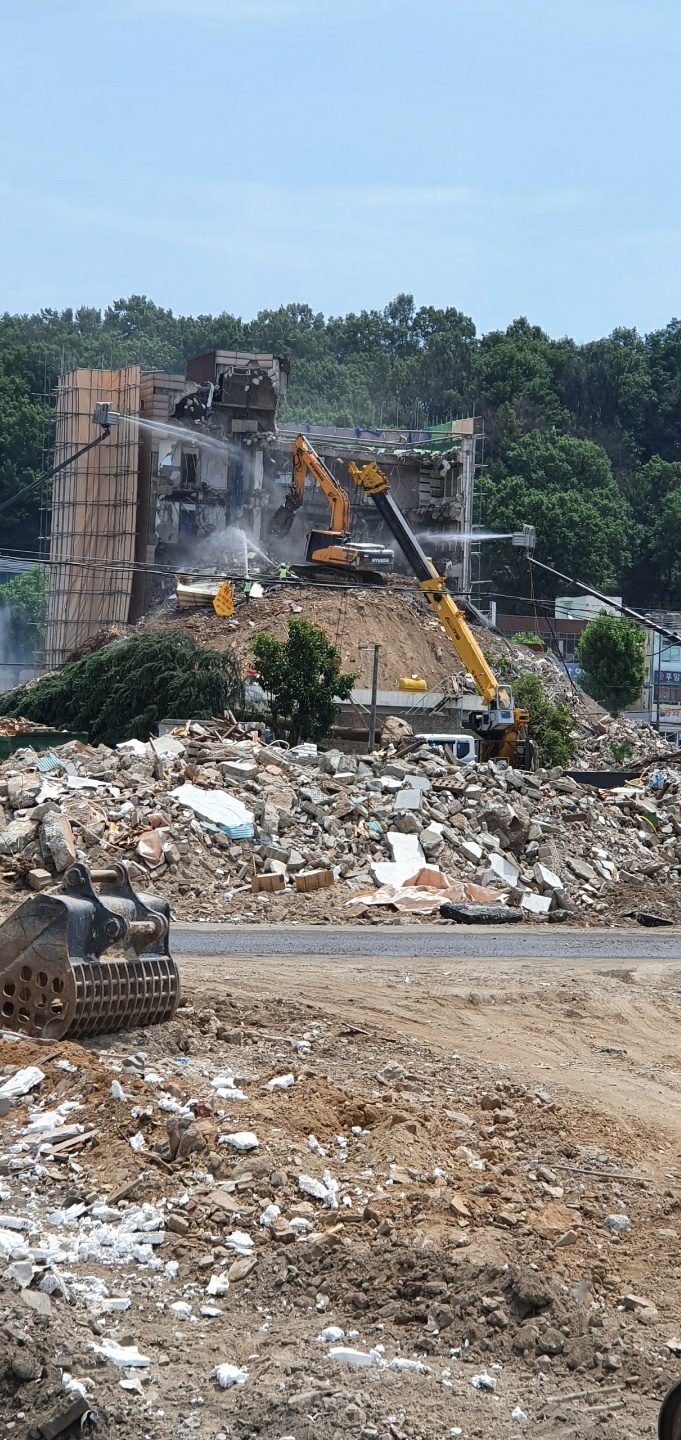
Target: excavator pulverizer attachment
[(78, 962)]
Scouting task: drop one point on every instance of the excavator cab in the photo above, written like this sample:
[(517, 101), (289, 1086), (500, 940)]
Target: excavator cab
[(497, 716), (502, 733), (325, 547)]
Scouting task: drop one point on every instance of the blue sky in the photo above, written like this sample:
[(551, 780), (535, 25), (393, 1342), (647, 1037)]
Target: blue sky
[(506, 157)]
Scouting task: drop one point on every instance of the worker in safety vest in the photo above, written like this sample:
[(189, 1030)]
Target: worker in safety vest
[(247, 589), (283, 572)]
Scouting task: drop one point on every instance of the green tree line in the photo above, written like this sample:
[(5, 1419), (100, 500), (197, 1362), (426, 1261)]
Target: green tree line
[(583, 441)]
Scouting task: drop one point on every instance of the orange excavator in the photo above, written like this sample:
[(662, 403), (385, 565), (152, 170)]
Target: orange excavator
[(331, 554)]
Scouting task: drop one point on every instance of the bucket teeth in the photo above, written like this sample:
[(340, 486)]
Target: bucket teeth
[(78, 963)]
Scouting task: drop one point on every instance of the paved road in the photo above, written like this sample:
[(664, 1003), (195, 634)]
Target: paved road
[(428, 941), (593, 1012)]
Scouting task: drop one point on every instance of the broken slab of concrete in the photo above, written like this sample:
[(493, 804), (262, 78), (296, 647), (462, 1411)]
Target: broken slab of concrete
[(535, 904), (57, 842), (16, 836), (431, 840), (408, 799), (503, 869), (580, 868), (547, 878), (472, 914), (408, 858)]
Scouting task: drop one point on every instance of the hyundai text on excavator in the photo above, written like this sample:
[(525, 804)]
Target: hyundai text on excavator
[(500, 727), (330, 553)]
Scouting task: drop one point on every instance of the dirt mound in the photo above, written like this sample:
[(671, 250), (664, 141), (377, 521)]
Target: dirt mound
[(105, 636), (400, 621), (413, 643)]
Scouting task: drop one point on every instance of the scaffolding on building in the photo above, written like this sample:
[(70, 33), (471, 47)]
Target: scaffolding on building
[(94, 512)]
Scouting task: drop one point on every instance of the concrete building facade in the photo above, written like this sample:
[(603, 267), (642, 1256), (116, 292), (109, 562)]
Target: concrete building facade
[(215, 462), (204, 461), (94, 511)]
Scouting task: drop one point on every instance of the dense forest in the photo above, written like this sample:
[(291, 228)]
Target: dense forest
[(583, 441)]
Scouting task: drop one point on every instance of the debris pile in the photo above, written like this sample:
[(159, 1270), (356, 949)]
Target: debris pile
[(602, 742), (397, 618), (210, 1228), (235, 829), (607, 743), (11, 726), (412, 641)]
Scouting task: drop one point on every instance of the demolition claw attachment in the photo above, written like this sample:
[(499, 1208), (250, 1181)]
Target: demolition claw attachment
[(79, 962)]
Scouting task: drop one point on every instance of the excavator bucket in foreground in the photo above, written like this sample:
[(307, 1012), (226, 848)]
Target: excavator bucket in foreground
[(56, 977)]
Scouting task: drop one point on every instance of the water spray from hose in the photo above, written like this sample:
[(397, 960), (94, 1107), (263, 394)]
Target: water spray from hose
[(182, 433), (447, 539)]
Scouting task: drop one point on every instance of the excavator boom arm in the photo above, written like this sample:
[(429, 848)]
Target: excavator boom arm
[(453, 622), (375, 483), (304, 459)]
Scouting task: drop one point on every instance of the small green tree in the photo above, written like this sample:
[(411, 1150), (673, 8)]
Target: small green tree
[(303, 679), (612, 654), (25, 596), (550, 725)]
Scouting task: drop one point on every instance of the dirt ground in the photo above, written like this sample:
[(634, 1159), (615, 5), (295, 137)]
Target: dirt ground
[(606, 1030), (481, 1121)]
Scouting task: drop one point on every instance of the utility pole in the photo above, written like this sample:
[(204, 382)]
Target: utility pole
[(657, 640), (374, 693)]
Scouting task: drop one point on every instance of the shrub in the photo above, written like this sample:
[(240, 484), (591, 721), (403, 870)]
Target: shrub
[(550, 725), (527, 637), (303, 679), (121, 691)]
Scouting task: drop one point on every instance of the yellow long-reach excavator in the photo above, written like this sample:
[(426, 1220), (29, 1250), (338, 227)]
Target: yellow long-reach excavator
[(330, 553), (501, 728)]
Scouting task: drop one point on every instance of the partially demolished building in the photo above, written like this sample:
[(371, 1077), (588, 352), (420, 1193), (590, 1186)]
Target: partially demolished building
[(224, 461), (214, 460)]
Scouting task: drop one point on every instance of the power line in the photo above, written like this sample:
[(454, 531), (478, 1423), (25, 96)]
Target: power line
[(613, 604)]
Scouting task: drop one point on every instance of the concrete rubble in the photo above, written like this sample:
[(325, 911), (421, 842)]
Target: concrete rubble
[(600, 738), (237, 830)]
